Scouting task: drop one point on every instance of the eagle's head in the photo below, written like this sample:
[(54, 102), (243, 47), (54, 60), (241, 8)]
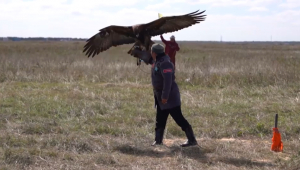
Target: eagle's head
[(136, 30)]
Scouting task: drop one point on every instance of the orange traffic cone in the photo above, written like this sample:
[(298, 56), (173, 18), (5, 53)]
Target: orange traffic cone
[(277, 145)]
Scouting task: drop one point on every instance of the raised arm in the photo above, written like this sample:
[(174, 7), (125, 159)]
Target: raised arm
[(163, 40)]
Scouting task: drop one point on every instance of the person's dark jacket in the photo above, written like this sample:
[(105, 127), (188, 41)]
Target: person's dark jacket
[(163, 82)]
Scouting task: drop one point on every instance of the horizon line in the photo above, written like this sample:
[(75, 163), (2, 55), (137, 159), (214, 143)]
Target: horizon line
[(74, 38)]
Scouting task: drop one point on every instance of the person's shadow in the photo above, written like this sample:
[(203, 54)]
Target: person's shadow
[(196, 152)]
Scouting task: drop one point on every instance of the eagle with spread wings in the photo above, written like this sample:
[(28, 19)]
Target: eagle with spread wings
[(139, 34)]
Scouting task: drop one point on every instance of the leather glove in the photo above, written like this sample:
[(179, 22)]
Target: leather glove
[(143, 55)]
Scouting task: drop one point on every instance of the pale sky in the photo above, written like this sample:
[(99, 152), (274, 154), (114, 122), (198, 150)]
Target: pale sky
[(234, 20)]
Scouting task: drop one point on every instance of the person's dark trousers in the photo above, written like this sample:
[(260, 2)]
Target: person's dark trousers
[(161, 120), (162, 116)]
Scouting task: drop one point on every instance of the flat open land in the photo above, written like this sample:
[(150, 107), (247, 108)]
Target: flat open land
[(62, 110)]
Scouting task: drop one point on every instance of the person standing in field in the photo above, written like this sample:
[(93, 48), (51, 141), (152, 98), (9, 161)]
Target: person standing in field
[(170, 47), (167, 96)]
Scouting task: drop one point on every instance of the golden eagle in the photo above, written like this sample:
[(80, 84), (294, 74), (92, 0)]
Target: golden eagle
[(139, 34)]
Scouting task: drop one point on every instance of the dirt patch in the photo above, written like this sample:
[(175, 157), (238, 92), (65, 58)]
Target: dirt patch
[(270, 156)]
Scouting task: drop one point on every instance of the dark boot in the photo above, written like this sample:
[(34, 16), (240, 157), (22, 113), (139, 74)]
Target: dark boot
[(190, 136), (159, 134)]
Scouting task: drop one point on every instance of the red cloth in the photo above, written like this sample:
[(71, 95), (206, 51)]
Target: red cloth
[(170, 49), (277, 144)]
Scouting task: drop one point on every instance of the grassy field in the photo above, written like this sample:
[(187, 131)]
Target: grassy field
[(61, 110)]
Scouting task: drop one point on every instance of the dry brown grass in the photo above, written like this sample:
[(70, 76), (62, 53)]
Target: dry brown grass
[(61, 110)]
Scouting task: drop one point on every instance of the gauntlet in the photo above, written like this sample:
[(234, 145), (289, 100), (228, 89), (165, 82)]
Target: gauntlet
[(142, 55)]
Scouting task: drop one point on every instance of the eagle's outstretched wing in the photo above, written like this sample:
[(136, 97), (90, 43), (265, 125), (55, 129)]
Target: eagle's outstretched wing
[(108, 37), (173, 23)]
